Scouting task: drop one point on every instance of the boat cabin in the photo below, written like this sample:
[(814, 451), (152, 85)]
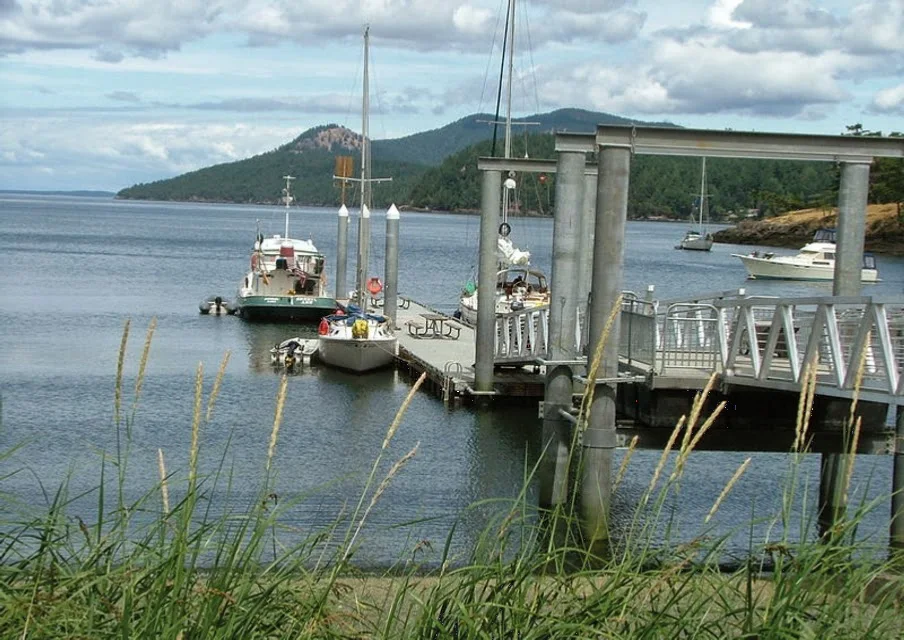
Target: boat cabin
[(521, 280)]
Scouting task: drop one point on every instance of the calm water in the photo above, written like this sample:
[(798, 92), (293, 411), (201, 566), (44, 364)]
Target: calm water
[(73, 270)]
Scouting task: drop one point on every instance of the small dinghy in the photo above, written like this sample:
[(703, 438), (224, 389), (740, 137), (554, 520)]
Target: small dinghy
[(216, 306), (293, 352)]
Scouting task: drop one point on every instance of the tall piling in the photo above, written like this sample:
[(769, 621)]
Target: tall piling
[(342, 254), (897, 486), (849, 235), (485, 335), (608, 266), (585, 250), (391, 266), (562, 349)]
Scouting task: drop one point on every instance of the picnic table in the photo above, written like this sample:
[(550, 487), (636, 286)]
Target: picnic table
[(436, 325)]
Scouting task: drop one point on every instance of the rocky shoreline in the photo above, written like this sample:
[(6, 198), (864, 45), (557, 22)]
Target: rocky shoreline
[(884, 230)]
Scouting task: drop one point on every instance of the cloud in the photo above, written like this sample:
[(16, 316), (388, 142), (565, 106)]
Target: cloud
[(124, 96), (889, 101), (323, 104), (784, 14)]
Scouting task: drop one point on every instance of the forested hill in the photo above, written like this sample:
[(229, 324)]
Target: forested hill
[(660, 186), (311, 158)]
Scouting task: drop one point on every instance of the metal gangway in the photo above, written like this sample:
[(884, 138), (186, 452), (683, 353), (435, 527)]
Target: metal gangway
[(852, 341)]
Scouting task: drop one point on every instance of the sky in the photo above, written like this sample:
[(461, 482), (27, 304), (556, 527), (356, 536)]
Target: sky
[(103, 94)]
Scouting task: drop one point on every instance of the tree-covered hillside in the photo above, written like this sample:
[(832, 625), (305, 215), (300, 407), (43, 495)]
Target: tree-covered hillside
[(659, 186)]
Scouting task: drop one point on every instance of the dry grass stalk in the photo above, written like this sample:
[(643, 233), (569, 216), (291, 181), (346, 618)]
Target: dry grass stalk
[(805, 405), (217, 383), (727, 488), (277, 417), (686, 450), (623, 468), (696, 408), (117, 393), (401, 412), (195, 427), (858, 379), (164, 489), (665, 455), (587, 400), (849, 471), (142, 366)]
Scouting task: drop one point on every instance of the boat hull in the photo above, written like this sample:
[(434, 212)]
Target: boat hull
[(357, 354), (772, 269), (284, 308), (696, 244)]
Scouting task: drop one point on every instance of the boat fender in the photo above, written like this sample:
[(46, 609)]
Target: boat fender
[(374, 286), (505, 229), (324, 327), (359, 329), (253, 261)]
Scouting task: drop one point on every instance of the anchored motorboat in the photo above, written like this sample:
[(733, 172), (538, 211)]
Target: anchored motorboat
[(815, 261), (216, 306)]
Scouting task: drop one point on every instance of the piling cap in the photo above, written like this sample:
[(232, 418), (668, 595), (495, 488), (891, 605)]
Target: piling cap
[(365, 212), (343, 211), (392, 213)]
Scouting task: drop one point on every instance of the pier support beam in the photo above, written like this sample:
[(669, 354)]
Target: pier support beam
[(585, 250), (342, 254), (563, 308), (849, 235), (391, 267), (897, 488), (608, 266), (485, 335)]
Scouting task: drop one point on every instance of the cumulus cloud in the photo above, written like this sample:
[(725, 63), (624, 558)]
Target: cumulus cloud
[(784, 14), (124, 96), (890, 101)]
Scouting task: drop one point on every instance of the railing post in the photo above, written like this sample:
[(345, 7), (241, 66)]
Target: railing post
[(852, 200), (485, 335), (608, 264), (562, 317)]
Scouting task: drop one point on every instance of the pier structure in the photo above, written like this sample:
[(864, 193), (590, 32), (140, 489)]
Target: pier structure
[(743, 349)]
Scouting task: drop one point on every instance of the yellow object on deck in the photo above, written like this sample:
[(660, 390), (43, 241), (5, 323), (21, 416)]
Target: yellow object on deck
[(359, 328)]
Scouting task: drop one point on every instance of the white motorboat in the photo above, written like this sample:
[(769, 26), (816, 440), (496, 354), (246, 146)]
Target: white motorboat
[(293, 352), (286, 281), (512, 263), (698, 238), (815, 261), (359, 341), (216, 306)]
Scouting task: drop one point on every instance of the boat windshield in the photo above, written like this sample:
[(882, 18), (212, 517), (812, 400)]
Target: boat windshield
[(869, 261), (824, 235)]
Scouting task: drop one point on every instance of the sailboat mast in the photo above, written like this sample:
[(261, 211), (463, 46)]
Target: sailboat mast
[(702, 193), (288, 199), (364, 218), (508, 101)]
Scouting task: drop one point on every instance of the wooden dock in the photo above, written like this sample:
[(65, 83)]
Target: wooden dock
[(449, 361)]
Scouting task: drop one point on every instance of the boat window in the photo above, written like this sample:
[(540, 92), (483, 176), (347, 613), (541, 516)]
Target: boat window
[(824, 235), (869, 261), (829, 255)]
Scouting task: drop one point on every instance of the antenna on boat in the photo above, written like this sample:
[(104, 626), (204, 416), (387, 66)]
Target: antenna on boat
[(288, 199)]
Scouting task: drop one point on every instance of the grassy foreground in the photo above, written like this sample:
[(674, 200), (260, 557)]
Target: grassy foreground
[(186, 575)]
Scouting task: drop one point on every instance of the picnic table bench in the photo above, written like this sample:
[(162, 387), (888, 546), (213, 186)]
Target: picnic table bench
[(435, 325)]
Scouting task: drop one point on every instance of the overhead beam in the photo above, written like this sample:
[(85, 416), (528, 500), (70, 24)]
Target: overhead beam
[(667, 141), (526, 165)]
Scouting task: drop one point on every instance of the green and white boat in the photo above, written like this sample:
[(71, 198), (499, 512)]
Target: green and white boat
[(287, 281)]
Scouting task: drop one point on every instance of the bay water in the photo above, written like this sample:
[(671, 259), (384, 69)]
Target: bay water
[(74, 270)]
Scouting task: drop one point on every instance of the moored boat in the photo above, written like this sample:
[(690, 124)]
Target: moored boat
[(216, 306), (698, 238), (814, 261), (286, 281), (357, 341)]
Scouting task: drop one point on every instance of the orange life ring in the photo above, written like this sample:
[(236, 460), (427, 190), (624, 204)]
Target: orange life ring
[(374, 286)]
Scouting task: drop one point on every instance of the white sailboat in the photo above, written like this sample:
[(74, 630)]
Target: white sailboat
[(697, 238), (518, 285), (357, 340)]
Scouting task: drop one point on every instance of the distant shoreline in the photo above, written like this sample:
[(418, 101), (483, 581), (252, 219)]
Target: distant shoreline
[(82, 193)]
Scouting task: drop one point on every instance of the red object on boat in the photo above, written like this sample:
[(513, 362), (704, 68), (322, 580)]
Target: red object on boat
[(286, 251), (542, 178), (254, 261), (324, 327), (374, 286)]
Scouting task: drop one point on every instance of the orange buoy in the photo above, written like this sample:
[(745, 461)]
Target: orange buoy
[(324, 327), (374, 286)]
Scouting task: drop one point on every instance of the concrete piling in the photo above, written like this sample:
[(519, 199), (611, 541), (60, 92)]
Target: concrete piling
[(563, 308), (851, 229), (491, 191), (341, 254), (391, 267), (608, 265)]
